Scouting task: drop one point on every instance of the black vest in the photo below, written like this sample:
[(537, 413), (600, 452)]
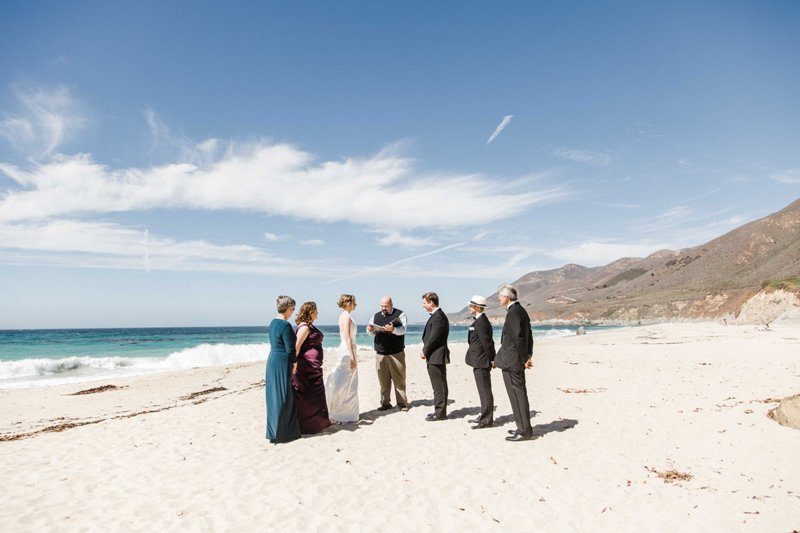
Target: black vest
[(388, 343)]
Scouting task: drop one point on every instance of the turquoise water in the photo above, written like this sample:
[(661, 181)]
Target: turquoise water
[(39, 357)]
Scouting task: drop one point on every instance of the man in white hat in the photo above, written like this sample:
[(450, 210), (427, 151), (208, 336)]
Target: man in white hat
[(480, 356)]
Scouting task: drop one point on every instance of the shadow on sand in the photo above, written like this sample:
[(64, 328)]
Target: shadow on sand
[(562, 424), (367, 418), (505, 419), (540, 430)]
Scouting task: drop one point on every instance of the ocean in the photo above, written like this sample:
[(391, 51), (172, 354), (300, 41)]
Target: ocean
[(47, 357)]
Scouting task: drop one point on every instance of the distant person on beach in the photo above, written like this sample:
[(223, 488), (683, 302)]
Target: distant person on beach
[(308, 382), (436, 354), (388, 326), (480, 356), (514, 357), (341, 386), (282, 424)]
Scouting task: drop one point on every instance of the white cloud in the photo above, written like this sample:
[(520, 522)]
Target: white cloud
[(500, 127), (601, 159), (789, 176), (274, 237), (602, 253), (276, 179), (47, 117), (395, 238), (311, 242), (102, 244)]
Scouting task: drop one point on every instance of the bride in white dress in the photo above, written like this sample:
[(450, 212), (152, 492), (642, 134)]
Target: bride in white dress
[(341, 385)]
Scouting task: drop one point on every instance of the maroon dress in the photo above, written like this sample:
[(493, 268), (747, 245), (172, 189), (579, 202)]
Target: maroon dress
[(312, 408)]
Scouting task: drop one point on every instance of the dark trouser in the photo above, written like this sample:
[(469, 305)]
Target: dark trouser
[(518, 395), (438, 375), (483, 380)]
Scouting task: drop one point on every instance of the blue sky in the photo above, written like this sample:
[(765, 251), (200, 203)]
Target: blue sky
[(182, 163)]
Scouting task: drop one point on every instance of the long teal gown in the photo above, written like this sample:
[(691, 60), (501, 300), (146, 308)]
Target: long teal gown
[(282, 424)]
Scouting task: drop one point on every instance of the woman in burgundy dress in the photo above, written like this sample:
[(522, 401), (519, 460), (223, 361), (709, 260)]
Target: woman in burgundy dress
[(312, 409)]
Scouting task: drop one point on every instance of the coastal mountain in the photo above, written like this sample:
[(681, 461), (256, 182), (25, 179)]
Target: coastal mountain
[(715, 279)]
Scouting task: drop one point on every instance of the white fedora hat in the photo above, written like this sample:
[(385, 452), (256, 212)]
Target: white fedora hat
[(480, 301)]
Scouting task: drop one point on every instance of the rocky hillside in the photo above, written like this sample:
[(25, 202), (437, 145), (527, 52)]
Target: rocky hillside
[(708, 281)]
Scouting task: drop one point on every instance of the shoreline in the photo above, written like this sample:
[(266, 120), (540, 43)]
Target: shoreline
[(112, 361)]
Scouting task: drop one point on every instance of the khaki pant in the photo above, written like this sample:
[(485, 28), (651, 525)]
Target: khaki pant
[(392, 368)]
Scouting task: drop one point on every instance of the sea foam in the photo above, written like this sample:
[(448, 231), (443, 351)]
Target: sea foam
[(30, 372)]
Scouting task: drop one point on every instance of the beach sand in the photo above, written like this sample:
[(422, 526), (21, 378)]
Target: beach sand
[(613, 410)]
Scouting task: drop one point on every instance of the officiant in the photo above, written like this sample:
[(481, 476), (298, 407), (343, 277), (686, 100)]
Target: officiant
[(388, 326)]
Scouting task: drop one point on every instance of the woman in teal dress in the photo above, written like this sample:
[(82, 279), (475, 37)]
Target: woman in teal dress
[(282, 424)]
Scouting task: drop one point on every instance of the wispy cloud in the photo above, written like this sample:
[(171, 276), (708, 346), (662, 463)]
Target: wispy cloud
[(649, 131), (390, 266), (395, 238), (52, 216), (78, 243), (275, 179), (165, 141), (789, 177), (593, 253), (500, 127), (274, 237), (584, 156), (677, 220), (47, 116), (677, 212)]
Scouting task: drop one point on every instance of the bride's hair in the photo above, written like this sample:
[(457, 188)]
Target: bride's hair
[(345, 300), (306, 313)]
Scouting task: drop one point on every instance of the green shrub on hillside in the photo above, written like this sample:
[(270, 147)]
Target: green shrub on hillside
[(792, 283)]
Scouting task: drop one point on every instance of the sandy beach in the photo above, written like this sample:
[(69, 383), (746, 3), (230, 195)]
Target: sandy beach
[(616, 412)]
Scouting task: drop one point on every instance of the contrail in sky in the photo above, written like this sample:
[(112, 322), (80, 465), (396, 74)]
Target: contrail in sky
[(500, 127), (396, 263)]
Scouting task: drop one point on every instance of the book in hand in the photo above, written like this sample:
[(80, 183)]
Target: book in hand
[(376, 327)]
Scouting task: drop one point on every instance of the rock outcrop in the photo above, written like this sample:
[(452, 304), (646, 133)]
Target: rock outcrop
[(788, 412)]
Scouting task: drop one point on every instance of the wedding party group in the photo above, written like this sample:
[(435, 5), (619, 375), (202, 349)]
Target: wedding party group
[(302, 401)]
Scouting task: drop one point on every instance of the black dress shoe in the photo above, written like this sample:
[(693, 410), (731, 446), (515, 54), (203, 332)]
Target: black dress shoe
[(434, 418), (519, 437), (513, 432), (385, 407), (481, 426)]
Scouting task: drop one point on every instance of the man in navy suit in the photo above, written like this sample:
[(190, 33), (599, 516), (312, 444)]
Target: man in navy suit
[(436, 353)]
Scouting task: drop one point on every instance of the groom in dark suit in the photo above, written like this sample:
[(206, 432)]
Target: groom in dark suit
[(480, 356), (514, 356), (436, 354)]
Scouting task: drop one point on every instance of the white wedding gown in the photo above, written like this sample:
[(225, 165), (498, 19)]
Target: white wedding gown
[(341, 385)]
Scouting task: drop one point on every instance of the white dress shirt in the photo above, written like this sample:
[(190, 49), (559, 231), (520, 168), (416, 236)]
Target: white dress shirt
[(398, 330)]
